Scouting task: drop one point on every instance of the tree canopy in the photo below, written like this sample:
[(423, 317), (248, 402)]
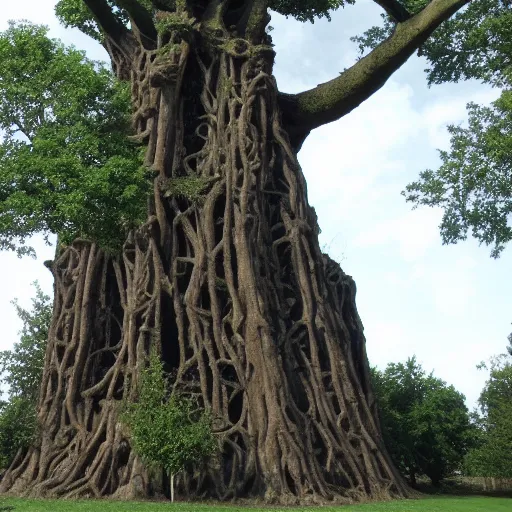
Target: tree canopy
[(67, 167), (425, 422), (473, 183)]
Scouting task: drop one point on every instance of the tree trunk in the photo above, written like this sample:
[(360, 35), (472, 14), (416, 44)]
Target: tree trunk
[(227, 279)]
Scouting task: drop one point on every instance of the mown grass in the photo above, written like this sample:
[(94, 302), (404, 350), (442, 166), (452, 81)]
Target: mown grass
[(430, 504)]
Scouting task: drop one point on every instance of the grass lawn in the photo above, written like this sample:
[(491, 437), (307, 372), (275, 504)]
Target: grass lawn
[(444, 504)]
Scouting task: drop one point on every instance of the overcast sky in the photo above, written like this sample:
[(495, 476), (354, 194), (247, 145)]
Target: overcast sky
[(451, 306)]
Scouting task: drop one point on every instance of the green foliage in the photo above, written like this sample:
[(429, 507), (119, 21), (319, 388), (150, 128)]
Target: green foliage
[(498, 388), (74, 13), (377, 34), (21, 370), (475, 43), (493, 455), (66, 164), (188, 187), (492, 458), (18, 428), (473, 184), (22, 367), (170, 432), (307, 10), (425, 422)]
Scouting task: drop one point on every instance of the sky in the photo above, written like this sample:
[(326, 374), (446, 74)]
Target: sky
[(450, 306)]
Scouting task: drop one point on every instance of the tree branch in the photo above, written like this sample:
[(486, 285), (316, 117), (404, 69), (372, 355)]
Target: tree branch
[(141, 17), (332, 100), (394, 9), (107, 21)]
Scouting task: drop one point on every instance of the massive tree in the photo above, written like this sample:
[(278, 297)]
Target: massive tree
[(225, 277)]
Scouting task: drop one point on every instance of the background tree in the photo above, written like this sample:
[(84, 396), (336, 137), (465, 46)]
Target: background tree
[(472, 185), (67, 167), (225, 277), (493, 457), (425, 422), (168, 431), (21, 370)]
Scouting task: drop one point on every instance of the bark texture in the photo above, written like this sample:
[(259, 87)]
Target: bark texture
[(227, 278)]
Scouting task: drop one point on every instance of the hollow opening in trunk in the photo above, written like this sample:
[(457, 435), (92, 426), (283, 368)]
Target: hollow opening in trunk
[(169, 333), (290, 482), (235, 407)]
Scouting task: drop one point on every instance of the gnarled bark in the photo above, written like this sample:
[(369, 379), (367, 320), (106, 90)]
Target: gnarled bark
[(227, 279)]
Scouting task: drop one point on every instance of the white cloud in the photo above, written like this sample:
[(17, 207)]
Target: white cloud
[(346, 161), (451, 110), (40, 11), (413, 232), (454, 289), (390, 335)]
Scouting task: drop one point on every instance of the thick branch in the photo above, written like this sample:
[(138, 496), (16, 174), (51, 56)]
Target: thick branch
[(332, 100), (107, 21), (394, 9), (141, 17)]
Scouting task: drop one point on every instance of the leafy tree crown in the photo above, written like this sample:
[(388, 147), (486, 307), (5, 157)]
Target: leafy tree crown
[(67, 167)]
